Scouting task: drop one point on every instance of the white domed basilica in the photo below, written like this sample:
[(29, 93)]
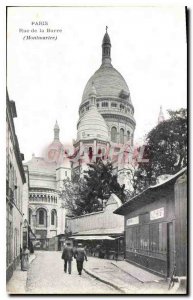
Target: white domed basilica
[(106, 112)]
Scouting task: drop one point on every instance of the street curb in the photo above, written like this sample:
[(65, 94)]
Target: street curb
[(104, 281), (127, 273)]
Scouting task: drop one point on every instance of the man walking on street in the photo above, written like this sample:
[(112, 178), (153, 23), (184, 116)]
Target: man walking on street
[(67, 255), (80, 255)]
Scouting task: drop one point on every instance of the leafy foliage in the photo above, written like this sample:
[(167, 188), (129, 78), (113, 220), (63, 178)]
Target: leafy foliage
[(166, 150), (87, 194)]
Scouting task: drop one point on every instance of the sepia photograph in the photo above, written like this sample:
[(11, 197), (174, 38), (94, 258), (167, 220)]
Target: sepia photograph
[(96, 150)]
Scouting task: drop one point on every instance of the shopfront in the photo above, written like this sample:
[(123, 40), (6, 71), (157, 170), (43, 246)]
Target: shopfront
[(102, 233), (150, 228), (102, 246)]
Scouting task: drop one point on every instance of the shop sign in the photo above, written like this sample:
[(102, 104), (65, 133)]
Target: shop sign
[(132, 221), (157, 213)]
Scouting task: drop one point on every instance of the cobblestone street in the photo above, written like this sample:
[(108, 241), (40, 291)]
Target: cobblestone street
[(46, 276)]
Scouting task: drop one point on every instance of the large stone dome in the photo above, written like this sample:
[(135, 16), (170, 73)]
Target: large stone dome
[(113, 100), (92, 126), (108, 83)]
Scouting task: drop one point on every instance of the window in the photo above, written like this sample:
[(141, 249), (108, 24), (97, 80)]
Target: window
[(128, 136), (147, 239), (16, 196), (97, 104), (41, 217), (144, 237), (158, 232), (90, 153), (66, 173), (106, 51), (53, 217), (122, 106), (114, 134), (113, 104), (122, 136), (105, 104), (30, 216), (87, 108)]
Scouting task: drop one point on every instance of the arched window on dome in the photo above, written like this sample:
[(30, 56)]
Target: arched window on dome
[(105, 104), (128, 135), (113, 104), (122, 136), (114, 134), (106, 51)]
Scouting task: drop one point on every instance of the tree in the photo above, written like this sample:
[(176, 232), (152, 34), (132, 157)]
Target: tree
[(166, 150), (87, 194), (101, 181), (71, 196)]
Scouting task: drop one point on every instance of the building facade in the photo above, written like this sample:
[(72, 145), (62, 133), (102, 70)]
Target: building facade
[(46, 214), (156, 227), (15, 179)]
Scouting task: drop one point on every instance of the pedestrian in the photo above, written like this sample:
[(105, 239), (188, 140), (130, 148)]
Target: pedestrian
[(67, 256), (80, 255), (25, 258)]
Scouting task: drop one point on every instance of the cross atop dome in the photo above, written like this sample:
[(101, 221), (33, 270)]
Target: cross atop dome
[(106, 28)]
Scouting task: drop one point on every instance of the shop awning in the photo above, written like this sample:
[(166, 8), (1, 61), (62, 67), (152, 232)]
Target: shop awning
[(92, 237)]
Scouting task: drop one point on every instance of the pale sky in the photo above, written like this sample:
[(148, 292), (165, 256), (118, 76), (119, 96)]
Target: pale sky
[(46, 79)]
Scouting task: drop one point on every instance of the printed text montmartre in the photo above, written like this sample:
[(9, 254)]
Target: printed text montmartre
[(29, 37)]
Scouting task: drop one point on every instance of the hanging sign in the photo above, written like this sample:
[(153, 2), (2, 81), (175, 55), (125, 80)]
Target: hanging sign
[(132, 221)]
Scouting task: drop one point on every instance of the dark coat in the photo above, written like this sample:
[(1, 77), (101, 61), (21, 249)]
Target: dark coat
[(67, 253), (80, 254)]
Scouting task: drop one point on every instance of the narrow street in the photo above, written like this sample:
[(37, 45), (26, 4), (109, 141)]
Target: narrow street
[(46, 276)]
